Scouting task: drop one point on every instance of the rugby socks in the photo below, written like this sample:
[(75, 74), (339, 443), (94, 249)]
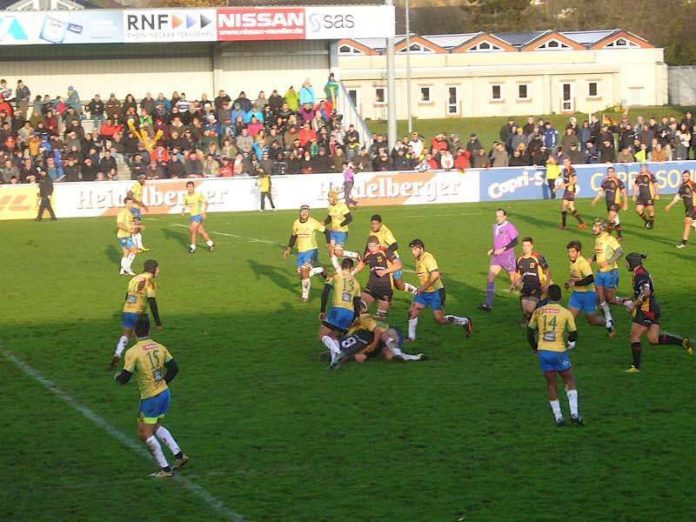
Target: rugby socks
[(684, 241), (316, 270), (455, 319), (129, 261), (138, 240), (556, 409), (350, 254), (490, 292), (636, 351), (619, 231), (564, 218), (643, 217), (382, 315), (577, 216), (408, 287), (209, 243), (667, 338), (306, 285), (193, 247), (412, 323), (573, 402), (121, 346), (124, 263), (331, 344), (607, 312), (156, 449), (393, 345), (335, 263), (165, 436)]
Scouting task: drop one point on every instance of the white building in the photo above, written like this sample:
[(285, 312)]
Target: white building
[(483, 74)]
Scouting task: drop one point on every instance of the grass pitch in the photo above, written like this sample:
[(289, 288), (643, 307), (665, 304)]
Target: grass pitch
[(276, 436)]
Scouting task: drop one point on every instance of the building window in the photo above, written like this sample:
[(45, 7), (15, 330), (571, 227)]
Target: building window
[(593, 89), (353, 95), (380, 95), (522, 91), (415, 47), (553, 45), (485, 46), (425, 95), (348, 50), (622, 43), (496, 93), (452, 100)]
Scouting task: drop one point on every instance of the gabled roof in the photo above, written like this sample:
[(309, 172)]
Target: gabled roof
[(419, 40), (552, 35), (483, 37), (356, 45), (619, 33), (519, 39)]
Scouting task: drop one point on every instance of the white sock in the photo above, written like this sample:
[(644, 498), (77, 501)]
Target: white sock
[(409, 357), (462, 321), (408, 287), (156, 449), (165, 436), (122, 343), (306, 285), (573, 402), (331, 344), (209, 242), (335, 263), (193, 247), (138, 240), (351, 254), (129, 261), (316, 270), (412, 323), (124, 263), (556, 408), (605, 308)]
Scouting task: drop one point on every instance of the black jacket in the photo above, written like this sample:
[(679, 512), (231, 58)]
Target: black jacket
[(45, 186)]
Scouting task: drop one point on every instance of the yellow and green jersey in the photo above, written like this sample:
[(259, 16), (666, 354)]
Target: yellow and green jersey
[(146, 360)]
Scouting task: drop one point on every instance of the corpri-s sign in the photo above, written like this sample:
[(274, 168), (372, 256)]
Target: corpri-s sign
[(169, 25), (263, 23)]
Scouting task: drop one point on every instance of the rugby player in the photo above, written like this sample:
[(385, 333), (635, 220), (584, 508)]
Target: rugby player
[(584, 297), (569, 184), (380, 286), (125, 228), (534, 278), (197, 204), (686, 194), (303, 233), (338, 219), (430, 293), (141, 294), (615, 193), (545, 333), (345, 307), (607, 251), (645, 194), (367, 339), (136, 193), (645, 310), (502, 255), (154, 368), (388, 241)]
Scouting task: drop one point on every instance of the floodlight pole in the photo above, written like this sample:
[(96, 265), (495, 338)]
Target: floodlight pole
[(391, 89), (408, 66)]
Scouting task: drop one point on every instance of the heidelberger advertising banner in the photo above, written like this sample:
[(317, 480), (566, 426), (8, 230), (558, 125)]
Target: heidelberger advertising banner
[(60, 27)]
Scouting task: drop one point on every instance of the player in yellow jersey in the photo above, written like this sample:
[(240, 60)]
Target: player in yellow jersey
[(197, 205), (584, 297), (388, 241), (607, 252), (551, 322), (337, 221), (136, 192), (303, 234), (430, 293), (125, 228), (345, 307), (154, 368), (141, 295)]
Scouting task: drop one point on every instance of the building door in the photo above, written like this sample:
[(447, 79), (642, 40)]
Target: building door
[(567, 98), (353, 95), (453, 101)]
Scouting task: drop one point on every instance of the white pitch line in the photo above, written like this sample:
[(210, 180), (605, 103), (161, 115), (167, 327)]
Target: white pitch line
[(442, 214), (121, 437), (235, 236)]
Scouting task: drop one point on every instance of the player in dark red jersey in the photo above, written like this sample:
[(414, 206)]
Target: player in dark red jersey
[(686, 194), (616, 198), (380, 285), (644, 195), (534, 279), (569, 184)]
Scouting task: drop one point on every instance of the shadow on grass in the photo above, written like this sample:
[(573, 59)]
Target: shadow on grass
[(180, 236), (113, 254), (277, 275)]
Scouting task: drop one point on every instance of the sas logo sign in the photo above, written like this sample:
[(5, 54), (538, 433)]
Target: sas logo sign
[(319, 22)]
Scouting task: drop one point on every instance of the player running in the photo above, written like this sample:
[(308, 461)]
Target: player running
[(141, 294), (430, 293), (607, 251), (345, 307), (380, 285), (550, 322), (569, 184), (686, 194), (584, 297), (197, 204), (502, 255), (645, 194), (388, 241), (645, 310), (367, 339), (154, 368), (534, 279), (337, 220), (125, 228), (303, 233), (615, 193), (136, 193)]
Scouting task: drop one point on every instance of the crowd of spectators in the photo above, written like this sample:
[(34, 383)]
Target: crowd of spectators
[(293, 133)]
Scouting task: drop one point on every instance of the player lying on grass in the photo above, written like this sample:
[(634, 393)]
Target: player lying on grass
[(367, 340), (154, 368), (303, 235)]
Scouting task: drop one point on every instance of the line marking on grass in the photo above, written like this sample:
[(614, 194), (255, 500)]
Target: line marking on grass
[(236, 236), (442, 214), (117, 434)]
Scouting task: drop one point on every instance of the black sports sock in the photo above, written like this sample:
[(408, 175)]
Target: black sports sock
[(643, 217), (564, 218), (577, 216), (684, 241), (619, 231), (666, 338), (179, 455), (636, 351)]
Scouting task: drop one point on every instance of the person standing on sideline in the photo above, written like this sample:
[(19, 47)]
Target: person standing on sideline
[(45, 192), (348, 183), (265, 189), (502, 255), (551, 321)]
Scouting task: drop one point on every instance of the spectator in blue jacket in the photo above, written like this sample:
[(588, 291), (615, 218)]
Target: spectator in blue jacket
[(550, 135), (307, 93)]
